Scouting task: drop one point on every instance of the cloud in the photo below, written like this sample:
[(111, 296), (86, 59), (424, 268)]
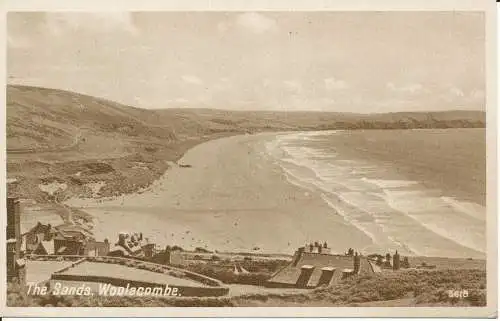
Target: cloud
[(17, 42), (409, 89), (455, 94), (477, 94), (256, 22), (293, 85), (454, 91), (190, 79), (224, 85), (59, 23), (334, 84)]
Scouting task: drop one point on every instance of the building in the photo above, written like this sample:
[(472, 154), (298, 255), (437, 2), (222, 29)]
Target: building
[(44, 248), (389, 262), (128, 245), (310, 269), (68, 246), (95, 248), (16, 265), (316, 247), (149, 249), (65, 239), (32, 239), (74, 232)]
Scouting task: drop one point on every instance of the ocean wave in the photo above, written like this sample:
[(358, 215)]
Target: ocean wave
[(384, 183), (474, 210), (441, 218), (396, 214)]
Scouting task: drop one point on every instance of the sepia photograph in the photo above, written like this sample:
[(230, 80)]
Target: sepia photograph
[(250, 159)]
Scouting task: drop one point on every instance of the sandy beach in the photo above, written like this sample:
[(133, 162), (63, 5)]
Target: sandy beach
[(232, 198)]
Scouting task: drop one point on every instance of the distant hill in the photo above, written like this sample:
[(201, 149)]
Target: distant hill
[(41, 117), (78, 140), (50, 118)]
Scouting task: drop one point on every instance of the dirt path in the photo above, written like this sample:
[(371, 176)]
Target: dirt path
[(236, 290)]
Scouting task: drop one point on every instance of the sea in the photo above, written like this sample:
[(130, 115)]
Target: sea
[(421, 192)]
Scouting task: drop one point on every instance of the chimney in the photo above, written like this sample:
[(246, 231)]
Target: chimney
[(48, 233), (387, 262), (13, 218), (15, 268), (406, 263), (395, 261), (168, 255), (357, 263)]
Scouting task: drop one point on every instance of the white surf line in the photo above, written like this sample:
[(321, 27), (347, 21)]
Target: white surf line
[(352, 223), (292, 179), (318, 189), (462, 209), (436, 230), (375, 222)]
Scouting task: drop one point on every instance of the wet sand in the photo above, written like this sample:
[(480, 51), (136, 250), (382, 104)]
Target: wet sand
[(232, 198)]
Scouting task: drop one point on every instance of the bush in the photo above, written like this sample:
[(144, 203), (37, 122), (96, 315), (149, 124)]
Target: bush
[(428, 287), (477, 298)]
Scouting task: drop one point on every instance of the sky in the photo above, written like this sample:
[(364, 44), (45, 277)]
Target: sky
[(329, 61)]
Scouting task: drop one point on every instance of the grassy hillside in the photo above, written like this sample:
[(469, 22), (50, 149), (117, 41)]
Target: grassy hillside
[(403, 288), (77, 141)]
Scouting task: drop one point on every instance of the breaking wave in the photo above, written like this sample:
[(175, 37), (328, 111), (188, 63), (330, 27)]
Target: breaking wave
[(397, 214)]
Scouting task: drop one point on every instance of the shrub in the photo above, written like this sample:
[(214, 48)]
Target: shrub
[(477, 297)]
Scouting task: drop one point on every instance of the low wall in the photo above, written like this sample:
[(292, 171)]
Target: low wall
[(214, 287), (81, 258)]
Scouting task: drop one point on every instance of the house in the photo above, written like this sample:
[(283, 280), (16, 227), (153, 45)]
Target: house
[(95, 248), (129, 244), (149, 249), (44, 239), (39, 233), (74, 232), (64, 246), (44, 248), (311, 268), (316, 247)]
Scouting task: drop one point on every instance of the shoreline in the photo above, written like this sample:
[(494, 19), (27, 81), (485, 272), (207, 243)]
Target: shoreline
[(184, 211), (187, 211)]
